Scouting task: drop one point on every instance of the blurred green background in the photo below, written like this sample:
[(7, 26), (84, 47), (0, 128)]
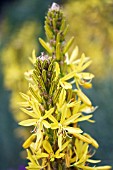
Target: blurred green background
[(21, 23)]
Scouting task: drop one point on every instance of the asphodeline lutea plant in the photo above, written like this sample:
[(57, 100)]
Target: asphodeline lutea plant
[(55, 103)]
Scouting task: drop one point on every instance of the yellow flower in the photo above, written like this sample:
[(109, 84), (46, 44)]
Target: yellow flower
[(38, 121), (82, 155)]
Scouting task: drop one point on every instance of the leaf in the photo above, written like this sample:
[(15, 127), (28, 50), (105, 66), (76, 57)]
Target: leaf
[(47, 147), (28, 122), (44, 44)]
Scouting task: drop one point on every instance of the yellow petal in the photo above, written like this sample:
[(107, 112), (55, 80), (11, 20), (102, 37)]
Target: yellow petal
[(87, 85), (95, 168), (54, 126), (30, 157), (74, 54), (36, 109), (48, 113), (63, 113), (63, 147), (41, 155), (93, 141), (103, 168), (88, 109), (62, 97), (83, 118), (27, 143), (65, 85), (46, 124), (84, 98), (60, 142), (30, 113), (72, 104), (69, 76), (82, 137), (52, 118), (85, 75), (47, 147), (28, 122), (73, 130), (71, 119), (93, 161), (60, 155)]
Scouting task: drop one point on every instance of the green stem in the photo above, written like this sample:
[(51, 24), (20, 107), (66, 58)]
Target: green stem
[(60, 167)]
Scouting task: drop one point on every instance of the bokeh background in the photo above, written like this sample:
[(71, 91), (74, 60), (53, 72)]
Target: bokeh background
[(21, 23)]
